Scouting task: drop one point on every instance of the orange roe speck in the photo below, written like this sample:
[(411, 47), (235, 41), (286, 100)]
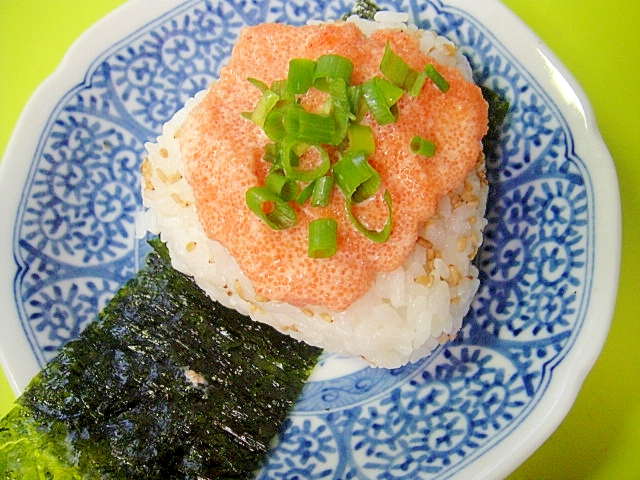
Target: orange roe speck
[(222, 152)]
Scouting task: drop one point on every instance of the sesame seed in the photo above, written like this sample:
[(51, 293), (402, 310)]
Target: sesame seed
[(326, 317), (426, 280), (179, 200), (462, 244)]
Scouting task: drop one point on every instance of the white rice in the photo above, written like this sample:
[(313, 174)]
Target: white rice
[(404, 315)]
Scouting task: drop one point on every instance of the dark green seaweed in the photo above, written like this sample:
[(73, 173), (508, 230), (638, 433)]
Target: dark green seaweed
[(166, 384), (364, 9), (498, 111), (31, 450)]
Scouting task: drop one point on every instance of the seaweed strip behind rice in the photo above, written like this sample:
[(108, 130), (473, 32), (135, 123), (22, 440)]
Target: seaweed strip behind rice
[(168, 384), (365, 9)]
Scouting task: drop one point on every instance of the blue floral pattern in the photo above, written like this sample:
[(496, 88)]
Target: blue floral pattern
[(75, 245)]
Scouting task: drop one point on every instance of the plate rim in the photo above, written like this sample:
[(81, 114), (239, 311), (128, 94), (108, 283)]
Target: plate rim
[(72, 72)]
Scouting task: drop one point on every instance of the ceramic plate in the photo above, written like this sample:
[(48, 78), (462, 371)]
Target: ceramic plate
[(474, 409)]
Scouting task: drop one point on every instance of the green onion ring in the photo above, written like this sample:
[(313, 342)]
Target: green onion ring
[(300, 76), (374, 235), (437, 78), (357, 179), (290, 149), (282, 186), (322, 191), (422, 146), (334, 66), (323, 238), (279, 216)]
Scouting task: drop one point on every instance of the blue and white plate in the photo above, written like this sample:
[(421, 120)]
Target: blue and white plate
[(477, 407)]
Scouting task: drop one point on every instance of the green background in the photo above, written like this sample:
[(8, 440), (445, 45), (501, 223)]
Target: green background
[(599, 42)]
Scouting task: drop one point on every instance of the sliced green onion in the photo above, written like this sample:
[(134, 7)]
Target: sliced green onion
[(274, 125), (300, 76), (264, 107), (437, 78), (356, 102), (323, 238), (375, 235), (322, 191), (306, 193), (336, 87), (259, 84), (339, 100), (276, 212), (422, 146), (343, 120), (401, 73), (380, 95), (390, 92), (311, 127), (338, 105), (289, 154), (415, 89), (334, 66), (360, 138), (296, 149), (377, 104), (357, 179), (279, 87), (270, 153), (397, 70), (282, 186), (367, 189)]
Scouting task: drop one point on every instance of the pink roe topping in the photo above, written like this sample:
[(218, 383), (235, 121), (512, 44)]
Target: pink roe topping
[(224, 154)]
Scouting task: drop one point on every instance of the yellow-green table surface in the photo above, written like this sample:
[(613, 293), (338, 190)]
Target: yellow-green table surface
[(599, 42)]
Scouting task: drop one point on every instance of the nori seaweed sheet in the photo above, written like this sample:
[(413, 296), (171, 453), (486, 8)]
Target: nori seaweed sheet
[(366, 9), (122, 392), (498, 112)]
